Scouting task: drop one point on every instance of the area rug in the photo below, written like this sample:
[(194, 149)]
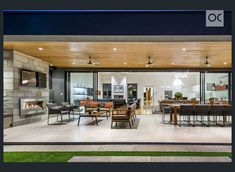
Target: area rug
[(94, 122)]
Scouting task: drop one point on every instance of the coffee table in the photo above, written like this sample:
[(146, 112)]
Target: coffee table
[(92, 115)]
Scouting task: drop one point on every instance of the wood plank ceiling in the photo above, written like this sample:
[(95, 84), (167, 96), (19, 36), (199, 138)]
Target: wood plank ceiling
[(128, 54)]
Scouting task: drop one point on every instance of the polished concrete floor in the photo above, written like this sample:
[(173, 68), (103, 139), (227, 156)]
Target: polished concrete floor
[(150, 129)]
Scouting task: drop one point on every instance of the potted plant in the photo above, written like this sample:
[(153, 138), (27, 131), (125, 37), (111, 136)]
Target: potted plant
[(178, 95)]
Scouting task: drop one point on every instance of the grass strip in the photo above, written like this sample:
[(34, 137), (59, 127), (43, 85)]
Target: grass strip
[(65, 156)]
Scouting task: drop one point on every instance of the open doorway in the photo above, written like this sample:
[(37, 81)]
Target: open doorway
[(148, 96)]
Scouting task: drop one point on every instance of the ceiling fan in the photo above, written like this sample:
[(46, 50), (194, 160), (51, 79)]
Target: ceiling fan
[(206, 62), (150, 62), (92, 63)]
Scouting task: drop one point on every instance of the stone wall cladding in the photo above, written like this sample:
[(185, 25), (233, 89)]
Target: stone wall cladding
[(8, 84), (23, 61)]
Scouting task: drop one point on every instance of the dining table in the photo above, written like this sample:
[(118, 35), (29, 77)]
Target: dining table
[(175, 109), (173, 115)]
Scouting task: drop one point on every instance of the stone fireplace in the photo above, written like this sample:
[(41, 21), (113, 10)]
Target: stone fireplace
[(34, 110), (118, 96), (32, 106)]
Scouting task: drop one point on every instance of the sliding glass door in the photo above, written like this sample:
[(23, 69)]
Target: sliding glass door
[(216, 86)]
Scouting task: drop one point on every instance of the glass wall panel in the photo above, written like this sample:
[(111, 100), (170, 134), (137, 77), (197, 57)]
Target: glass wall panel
[(231, 89), (81, 86), (216, 86), (202, 87)]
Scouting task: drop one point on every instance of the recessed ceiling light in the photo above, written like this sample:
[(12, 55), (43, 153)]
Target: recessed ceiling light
[(208, 65), (172, 63), (40, 48), (183, 49), (74, 63), (114, 49), (51, 64), (124, 63), (225, 63)]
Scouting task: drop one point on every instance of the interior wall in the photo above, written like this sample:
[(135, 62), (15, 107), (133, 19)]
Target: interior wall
[(160, 81), (114, 79), (103, 79), (119, 79)]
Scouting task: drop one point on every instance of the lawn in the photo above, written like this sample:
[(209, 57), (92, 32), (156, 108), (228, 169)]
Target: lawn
[(65, 156)]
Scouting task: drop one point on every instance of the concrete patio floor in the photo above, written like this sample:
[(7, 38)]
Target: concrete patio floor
[(120, 147), (149, 159), (150, 129)]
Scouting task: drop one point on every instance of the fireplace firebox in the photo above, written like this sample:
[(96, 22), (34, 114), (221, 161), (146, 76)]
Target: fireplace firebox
[(31, 106), (118, 96)]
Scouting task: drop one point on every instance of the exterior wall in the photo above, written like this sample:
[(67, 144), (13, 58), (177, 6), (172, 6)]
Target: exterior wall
[(23, 61), (58, 86)]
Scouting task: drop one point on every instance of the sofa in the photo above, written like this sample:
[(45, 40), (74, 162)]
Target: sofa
[(101, 106)]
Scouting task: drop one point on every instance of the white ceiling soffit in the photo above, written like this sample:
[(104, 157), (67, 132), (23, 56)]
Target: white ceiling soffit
[(105, 38)]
